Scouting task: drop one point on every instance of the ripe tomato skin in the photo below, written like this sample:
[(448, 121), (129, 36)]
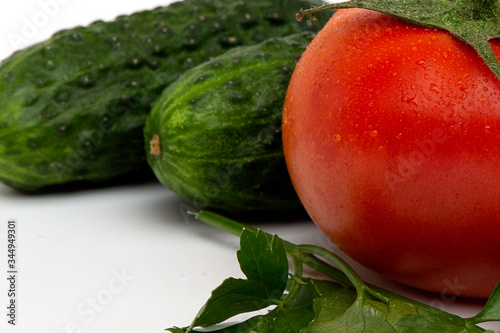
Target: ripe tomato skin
[(391, 135)]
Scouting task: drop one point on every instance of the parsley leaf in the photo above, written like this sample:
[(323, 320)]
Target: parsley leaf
[(264, 262), (266, 268), (296, 315)]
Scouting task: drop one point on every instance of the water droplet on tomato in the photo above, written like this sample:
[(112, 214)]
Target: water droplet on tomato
[(374, 134), (434, 88), (409, 100)]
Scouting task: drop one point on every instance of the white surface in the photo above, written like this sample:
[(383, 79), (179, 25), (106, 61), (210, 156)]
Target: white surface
[(71, 247), (123, 258)]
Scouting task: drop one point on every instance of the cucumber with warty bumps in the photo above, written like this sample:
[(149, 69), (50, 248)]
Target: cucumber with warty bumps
[(214, 136), (73, 108)]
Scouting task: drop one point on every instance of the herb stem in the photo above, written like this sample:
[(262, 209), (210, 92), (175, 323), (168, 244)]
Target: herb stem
[(309, 257), (293, 250), (344, 267), (359, 285), (221, 222), (297, 266)]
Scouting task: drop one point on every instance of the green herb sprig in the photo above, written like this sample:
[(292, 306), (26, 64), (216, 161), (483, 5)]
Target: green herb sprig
[(298, 304)]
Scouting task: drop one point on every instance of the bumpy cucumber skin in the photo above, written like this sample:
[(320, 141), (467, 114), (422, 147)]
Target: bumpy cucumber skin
[(214, 137), (73, 107)]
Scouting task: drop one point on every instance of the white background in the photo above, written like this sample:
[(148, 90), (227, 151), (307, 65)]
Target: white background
[(122, 258)]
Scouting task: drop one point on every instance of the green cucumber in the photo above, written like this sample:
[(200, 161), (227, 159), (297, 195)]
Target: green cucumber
[(73, 108), (214, 136)]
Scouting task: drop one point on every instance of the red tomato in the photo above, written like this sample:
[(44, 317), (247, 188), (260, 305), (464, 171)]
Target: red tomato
[(391, 134)]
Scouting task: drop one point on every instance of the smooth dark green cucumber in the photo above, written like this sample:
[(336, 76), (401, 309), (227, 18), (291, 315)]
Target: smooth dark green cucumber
[(214, 137), (73, 108)]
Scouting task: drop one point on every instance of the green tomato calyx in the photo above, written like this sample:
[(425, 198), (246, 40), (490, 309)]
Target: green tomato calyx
[(475, 22)]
